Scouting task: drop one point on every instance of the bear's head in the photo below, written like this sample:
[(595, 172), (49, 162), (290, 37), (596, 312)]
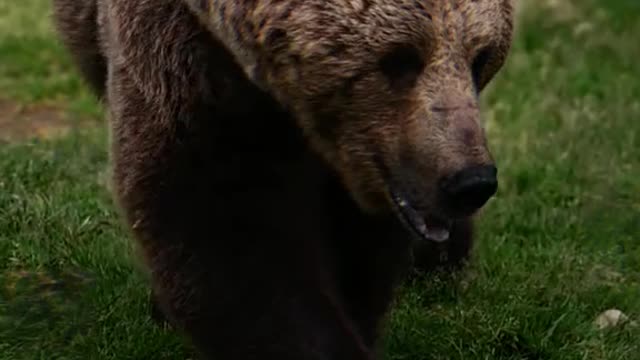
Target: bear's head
[(385, 90)]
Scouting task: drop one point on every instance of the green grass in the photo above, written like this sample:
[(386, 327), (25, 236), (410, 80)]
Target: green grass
[(33, 65), (557, 246)]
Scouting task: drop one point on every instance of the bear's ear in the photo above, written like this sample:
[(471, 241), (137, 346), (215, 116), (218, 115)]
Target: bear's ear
[(200, 8)]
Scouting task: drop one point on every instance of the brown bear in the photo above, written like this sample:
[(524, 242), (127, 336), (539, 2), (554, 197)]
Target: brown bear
[(276, 160)]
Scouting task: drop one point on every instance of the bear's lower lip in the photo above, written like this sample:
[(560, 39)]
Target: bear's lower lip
[(425, 227)]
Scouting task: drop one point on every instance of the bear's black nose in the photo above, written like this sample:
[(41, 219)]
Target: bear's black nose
[(469, 189)]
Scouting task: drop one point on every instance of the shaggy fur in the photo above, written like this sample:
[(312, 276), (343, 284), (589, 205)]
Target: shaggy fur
[(254, 143)]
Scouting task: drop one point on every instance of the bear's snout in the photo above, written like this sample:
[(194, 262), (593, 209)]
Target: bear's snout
[(469, 189)]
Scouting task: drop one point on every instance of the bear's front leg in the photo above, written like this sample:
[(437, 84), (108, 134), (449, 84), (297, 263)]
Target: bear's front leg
[(225, 267)]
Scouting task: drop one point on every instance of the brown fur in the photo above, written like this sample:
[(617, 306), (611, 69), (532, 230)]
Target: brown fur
[(322, 60), (254, 142)]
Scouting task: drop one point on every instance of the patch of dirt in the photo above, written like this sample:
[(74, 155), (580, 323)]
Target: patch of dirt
[(18, 122)]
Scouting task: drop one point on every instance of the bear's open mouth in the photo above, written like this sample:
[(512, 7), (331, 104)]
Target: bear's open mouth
[(427, 227)]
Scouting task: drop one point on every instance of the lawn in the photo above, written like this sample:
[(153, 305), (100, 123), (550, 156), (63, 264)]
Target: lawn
[(558, 245)]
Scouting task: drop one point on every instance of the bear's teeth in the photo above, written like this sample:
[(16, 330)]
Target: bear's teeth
[(437, 234)]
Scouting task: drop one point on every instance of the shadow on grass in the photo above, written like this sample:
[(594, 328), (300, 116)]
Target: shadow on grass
[(38, 305)]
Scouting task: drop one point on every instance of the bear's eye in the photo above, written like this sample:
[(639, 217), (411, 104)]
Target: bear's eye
[(402, 66), (478, 67)]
